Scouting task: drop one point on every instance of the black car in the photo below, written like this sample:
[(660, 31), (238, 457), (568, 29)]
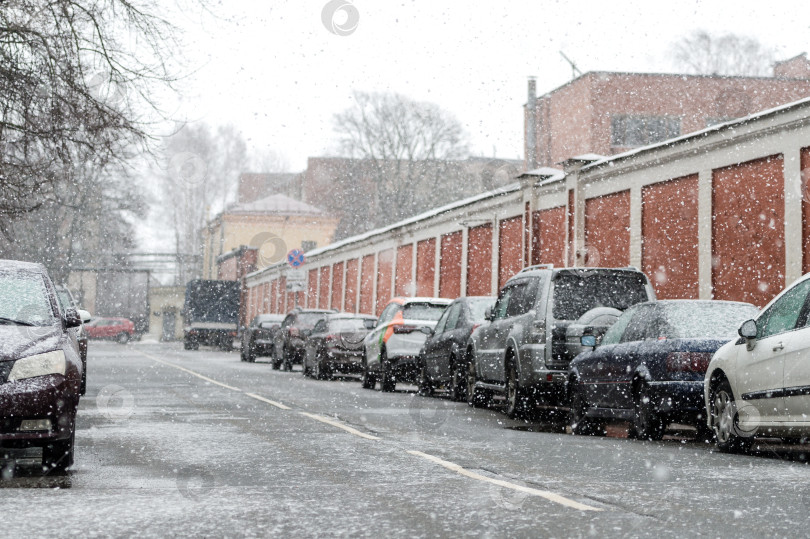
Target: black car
[(67, 301), (442, 361), (258, 337), (336, 345), (40, 366), (288, 343), (649, 367)]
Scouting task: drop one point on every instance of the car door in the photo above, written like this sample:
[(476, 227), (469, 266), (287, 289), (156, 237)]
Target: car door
[(796, 370), (431, 349), (492, 338), (444, 343), (760, 372), (373, 342)]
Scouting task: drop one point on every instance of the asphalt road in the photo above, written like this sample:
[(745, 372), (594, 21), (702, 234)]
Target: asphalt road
[(177, 443)]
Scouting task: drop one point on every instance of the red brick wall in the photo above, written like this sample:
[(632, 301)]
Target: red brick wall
[(569, 215), (337, 287), (282, 291), (312, 289), (479, 261), (805, 164), (323, 288), (450, 266), (607, 230), (548, 236), (385, 268), (669, 231), (350, 303), (510, 248), (274, 296), (748, 247), (527, 230), (425, 267), (367, 285), (404, 277)]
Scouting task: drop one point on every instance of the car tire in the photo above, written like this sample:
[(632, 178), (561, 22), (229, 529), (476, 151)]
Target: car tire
[(458, 381), (242, 355), (423, 383), (579, 423), (317, 370), (724, 420), (387, 382), (476, 397), (516, 405), (122, 338), (57, 456), (368, 380), (647, 423)]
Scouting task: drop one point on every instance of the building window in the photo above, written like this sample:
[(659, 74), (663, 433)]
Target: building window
[(630, 131), (307, 246)]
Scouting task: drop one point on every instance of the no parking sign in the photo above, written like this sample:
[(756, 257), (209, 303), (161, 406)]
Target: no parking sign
[(296, 258)]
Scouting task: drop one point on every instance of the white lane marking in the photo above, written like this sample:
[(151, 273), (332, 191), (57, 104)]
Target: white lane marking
[(531, 491), (268, 401), (339, 425), (153, 358)]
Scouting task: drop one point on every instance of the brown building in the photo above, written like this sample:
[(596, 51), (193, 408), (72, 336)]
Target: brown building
[(609, 113)]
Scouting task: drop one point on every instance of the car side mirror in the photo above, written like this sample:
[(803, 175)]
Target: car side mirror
[(489, 314), (426, 330), (72, 318), (84, 315), (588, 341), (748, 331)]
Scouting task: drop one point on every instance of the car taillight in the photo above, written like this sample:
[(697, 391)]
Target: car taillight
[(331, 338), (688, 361)]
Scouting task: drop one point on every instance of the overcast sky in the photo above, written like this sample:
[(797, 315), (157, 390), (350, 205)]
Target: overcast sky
[(274, 69)]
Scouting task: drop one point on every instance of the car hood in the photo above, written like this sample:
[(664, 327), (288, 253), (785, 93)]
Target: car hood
[(21, 341)]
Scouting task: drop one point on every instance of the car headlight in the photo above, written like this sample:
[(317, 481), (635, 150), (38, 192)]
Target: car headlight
[(39, 365)]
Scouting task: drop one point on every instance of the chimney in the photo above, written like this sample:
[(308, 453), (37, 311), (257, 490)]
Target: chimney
[(531, 126)]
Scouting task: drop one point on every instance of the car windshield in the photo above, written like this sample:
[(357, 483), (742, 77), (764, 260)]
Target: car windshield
[(704, 320), (478, 308), (25, 299), (422, 311), (576, 293)]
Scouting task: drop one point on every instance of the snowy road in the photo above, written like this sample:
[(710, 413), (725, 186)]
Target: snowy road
[(182, 443)]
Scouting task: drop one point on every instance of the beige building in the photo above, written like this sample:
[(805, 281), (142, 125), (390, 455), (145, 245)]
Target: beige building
[(165, 316), (274, 225)]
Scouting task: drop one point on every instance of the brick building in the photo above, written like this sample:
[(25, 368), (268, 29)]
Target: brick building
[(609, 113)]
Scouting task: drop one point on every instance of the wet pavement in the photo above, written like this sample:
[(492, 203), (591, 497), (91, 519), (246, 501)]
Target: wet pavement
[(196, 443)]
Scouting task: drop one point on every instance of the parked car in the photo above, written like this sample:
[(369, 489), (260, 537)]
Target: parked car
[(118, 329), (40, 366), (759, 384), (289, 340), (442, 361), (391, 350), (650, 365), (522, 355), (66, 301), (258, 337), (336, 345)]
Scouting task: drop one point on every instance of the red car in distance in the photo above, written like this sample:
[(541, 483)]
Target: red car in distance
[(119, 329)]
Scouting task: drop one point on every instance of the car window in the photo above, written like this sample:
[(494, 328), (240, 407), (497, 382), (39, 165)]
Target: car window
[(522, 299), (503, 301), (638, 328), (453, 316), (783, 315), (288, 321), (704, 320), (423, 311), (577, 292), (25, 298), (348, 325), (614, 333), (478, 309), (320, 327), (389, 312), (442, 322)]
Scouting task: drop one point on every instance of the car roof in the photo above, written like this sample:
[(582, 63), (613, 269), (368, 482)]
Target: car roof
[(693, 302), (545, 269), (344, 316), (421, 299), (19, 265)]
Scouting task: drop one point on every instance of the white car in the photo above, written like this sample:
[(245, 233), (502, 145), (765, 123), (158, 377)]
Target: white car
[(759, 385)]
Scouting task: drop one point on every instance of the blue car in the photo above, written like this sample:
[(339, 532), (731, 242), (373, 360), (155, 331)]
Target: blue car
[(648, 368)]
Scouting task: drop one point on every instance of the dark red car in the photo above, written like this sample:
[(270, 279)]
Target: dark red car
[(118, 329), (40, 366)]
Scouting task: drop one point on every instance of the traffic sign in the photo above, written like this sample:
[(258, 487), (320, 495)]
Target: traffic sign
[(296, 258)]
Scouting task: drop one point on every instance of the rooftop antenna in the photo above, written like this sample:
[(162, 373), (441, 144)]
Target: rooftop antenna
[(574, 69)]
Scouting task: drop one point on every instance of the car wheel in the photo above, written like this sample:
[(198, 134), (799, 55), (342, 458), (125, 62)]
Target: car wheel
[(387, 382), (647, 424), (57, 456), (424, 383), (458, 381), (368, 379), (317, 371), (242, 355), (579, 422), (476, 397), (724, 420), (122, 338), (516, 405), (251, 355)]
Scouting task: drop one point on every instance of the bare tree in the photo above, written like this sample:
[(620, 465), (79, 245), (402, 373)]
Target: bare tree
[(408, 144), (702, 53)]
